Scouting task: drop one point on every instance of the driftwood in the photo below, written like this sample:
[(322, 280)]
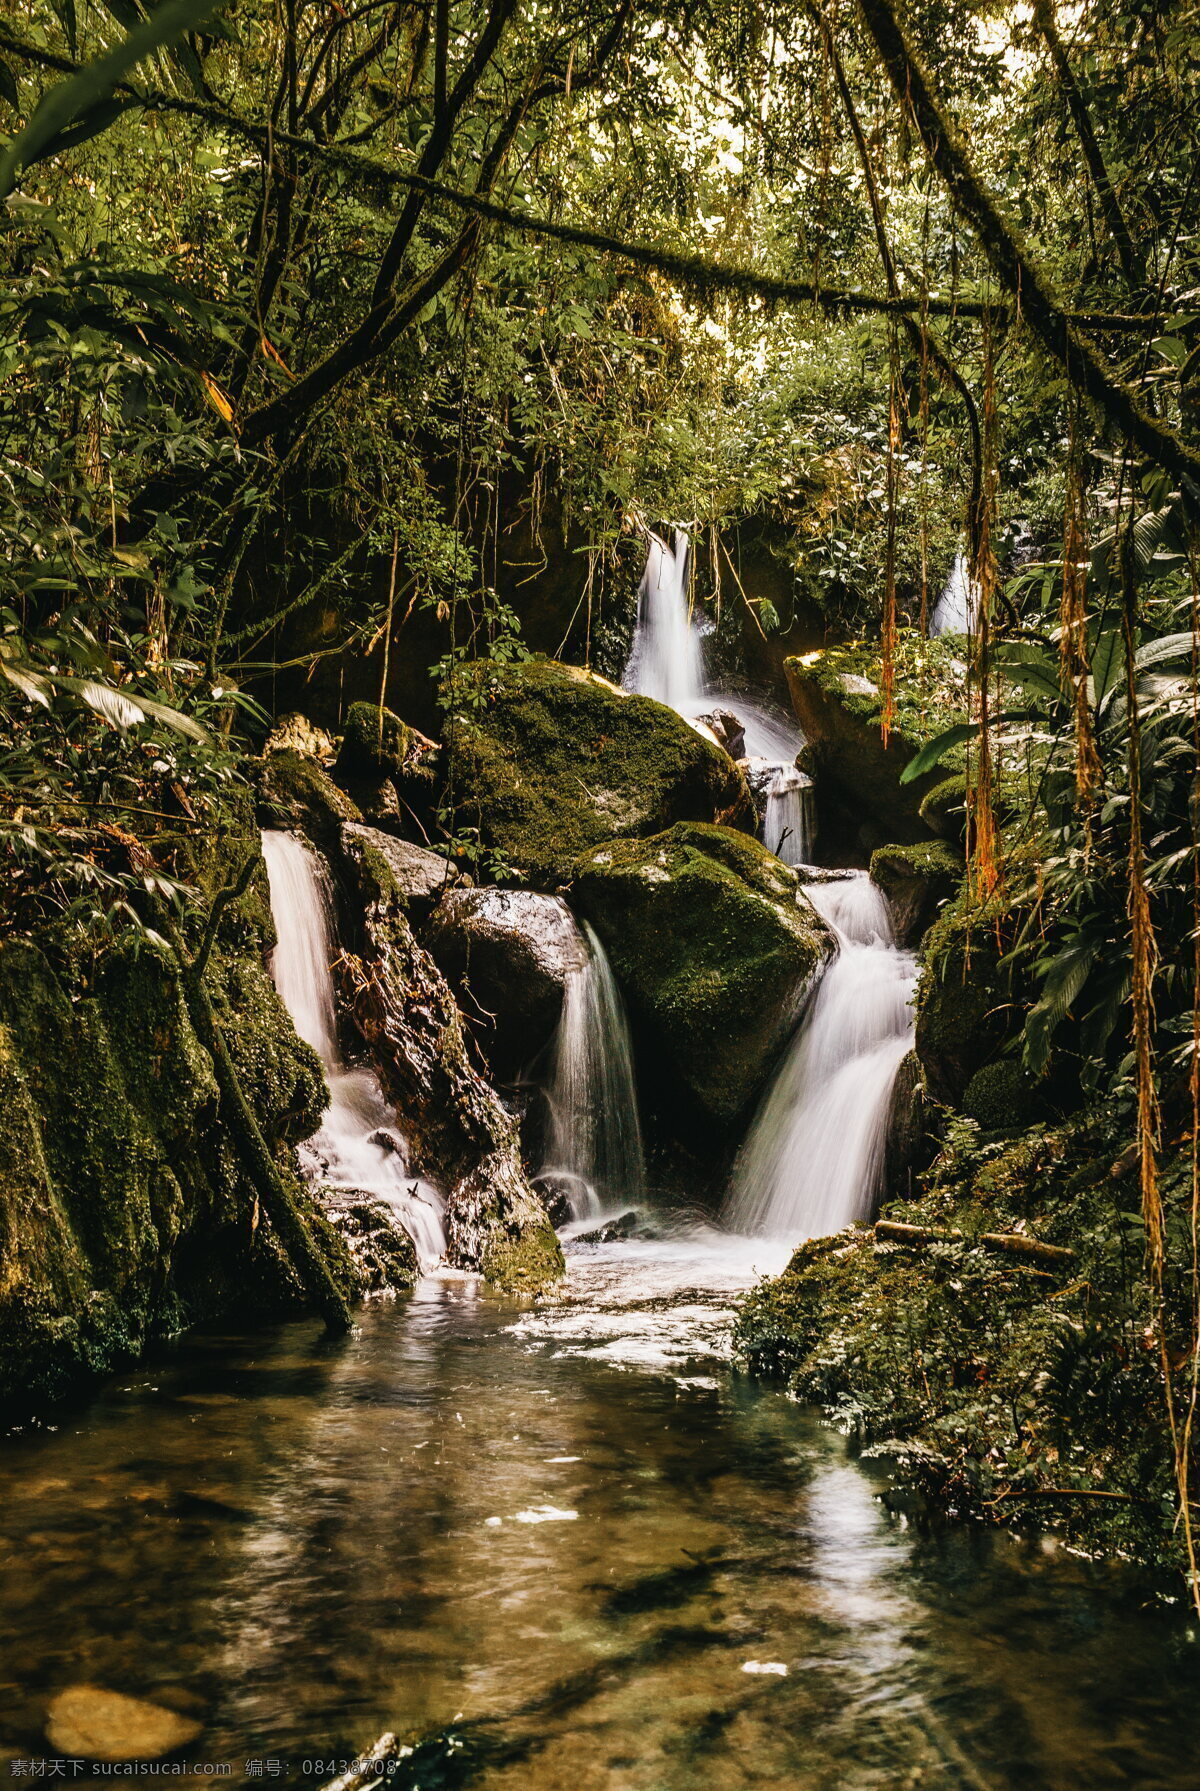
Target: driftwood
[(1007, 1243), (372, 1767)]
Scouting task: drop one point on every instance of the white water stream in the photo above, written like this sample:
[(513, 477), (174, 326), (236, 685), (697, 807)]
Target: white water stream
[(594, 1136), (956, 609), (813, 1158), (358, 1148)]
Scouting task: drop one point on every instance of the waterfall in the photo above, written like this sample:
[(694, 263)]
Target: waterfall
[(358, 1148), (666, 662), (813, 1158), (789, 820), (594, 1138), (958, 605)]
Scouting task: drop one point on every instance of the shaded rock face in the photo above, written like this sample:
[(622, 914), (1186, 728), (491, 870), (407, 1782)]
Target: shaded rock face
[(419, 877), (295, 794), (507, 954), (127, 1206), (838, 711), (387, 767), (382, 1252), (549, 761), (714, 947), (918, 881), (910, 1131), (458, 1131)]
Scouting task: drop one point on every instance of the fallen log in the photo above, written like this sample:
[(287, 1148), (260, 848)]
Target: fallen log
[(1007, 1243)]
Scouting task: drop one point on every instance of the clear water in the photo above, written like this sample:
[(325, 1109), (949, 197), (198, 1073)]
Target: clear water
[(571, 1533)]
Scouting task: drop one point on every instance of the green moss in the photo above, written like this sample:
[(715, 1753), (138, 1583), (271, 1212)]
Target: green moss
[(925, 859), (712, 948), (1001, 1097), (364, 753), (964, 1000), (930, 685), (524, 1260), (294, 793), (548, 761), (944, 808)]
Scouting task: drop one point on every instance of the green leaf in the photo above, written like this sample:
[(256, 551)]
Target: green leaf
[(1167, 646), (64, 12), (935, 750), (63, 104), (1108, 662), (8, 85)]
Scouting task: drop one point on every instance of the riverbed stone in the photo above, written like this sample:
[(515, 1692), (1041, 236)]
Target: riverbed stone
[(714, 946), (549, 760), (90, 1723), (507, 954)]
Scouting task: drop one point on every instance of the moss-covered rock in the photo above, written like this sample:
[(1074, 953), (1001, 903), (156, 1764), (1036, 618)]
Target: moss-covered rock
[(547, 761), (965, 1010), (388, 768), (944, 808), (1002, 1097), (918, 881), (295, 794), (837, 696), (714, 946)]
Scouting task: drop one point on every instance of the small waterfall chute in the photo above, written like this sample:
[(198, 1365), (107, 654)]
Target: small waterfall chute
[(594, 1137), (813, 1158), (666, 662), (957, 609), (358, 1148), (789, 818)]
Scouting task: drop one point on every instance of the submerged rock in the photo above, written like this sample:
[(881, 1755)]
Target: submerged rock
[(87, 1722), (918, 881), (457, 1130), (727, 730), (507, 954), (714, 947), (549, 760)]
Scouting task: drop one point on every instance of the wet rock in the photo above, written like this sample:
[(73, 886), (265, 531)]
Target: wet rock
[(390, 770), (507, 954), (550, 760), (458, 1131), (714, 947), (420, 877), (614, 1231), (918, 881), (726, 730), (944, 809), (383, 1254), (909, 1145), (816, 873), (90, 1723)]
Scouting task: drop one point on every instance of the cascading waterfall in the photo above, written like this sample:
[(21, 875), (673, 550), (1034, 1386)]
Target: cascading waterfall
[(358, 1148), (812, 1161), (666, 662), (594, 1136), (788, 823), (956, 609)]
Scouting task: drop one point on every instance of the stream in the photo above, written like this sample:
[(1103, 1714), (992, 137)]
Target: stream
[(568, 1531)]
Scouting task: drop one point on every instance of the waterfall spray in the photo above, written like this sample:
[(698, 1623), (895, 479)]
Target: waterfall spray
[(358, 1148)]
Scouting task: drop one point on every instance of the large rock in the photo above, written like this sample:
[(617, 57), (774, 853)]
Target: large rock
[(918, 881), (458, 1131), (507, 954), (964, 1003), (421, 877), (714, 946), (838, 700), (389, 768), (546, 761), (297, 796)]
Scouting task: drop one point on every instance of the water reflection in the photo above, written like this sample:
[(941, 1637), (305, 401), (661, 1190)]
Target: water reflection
[(309, 1543)]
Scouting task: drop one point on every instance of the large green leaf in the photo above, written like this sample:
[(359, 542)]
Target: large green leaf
[(1167, 646), (935, 750), (65, 103), (1108, 662)]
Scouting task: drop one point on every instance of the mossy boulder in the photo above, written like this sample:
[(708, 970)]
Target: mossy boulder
[(837, 694), (714, 946), (549, 761), (388, 768), (918, 881), (295, 794), (1002, 1097), (965, 1008), (944, 808)]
